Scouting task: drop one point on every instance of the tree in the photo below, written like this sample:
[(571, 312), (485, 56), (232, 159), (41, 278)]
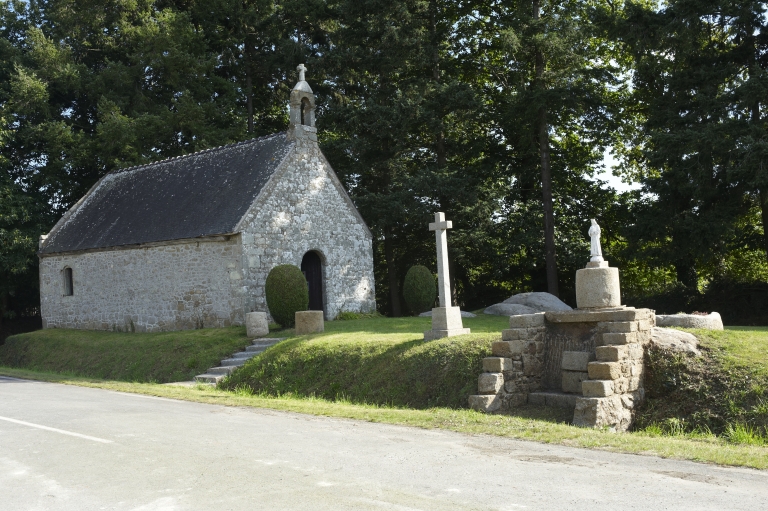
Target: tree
[(701, 80)]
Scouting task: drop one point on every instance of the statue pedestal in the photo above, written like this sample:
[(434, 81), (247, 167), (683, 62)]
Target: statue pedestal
[(597, 286), (446, 322)]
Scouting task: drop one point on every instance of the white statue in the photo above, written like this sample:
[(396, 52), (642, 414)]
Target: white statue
[(594, 234)]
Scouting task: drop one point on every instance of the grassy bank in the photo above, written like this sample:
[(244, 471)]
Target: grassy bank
[(377, 361), (159, 357), (723, 392)]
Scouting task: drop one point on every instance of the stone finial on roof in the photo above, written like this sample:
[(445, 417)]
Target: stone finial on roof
[(301, 69)]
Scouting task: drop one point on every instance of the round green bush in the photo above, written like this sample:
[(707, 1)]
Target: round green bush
[(419, 289), (287, 293)]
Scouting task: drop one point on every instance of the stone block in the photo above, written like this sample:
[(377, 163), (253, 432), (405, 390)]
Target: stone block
[(446, 318), (532, 366), (571, 381), (576, 360), (597, 287), (514, 334), (635, 352), (604, 370), (610, 338), (256, 324), (611, 353), (497, 364), (597, 388), (603, 412), (553, 399), (634, 383), (486, 403), (621, 386), (595, 315), (431, 335), (617, 326), (309, 322), (527, 320), (508, 349), (490, 383)]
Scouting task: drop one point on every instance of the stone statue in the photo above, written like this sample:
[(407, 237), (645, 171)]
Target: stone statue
[(595, 252)]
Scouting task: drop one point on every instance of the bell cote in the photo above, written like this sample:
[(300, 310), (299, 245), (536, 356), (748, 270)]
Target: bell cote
[(302, 123)]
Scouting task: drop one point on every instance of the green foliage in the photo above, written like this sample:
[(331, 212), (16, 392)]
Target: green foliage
[(724, 392), (349, 316), (287, 293), (156, 357), (419, 289)]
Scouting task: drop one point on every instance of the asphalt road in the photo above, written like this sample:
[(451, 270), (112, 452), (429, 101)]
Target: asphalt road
[(64, 447)]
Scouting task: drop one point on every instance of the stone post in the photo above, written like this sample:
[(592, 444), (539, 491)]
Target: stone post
[(446, 320)]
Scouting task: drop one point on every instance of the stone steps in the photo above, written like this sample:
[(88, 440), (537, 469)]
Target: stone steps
[(553, 399), (215, 374)]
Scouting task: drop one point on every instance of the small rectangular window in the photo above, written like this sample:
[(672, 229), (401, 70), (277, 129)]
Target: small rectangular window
[(68, 288)]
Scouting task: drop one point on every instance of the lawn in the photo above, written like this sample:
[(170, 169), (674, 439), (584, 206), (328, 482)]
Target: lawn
[(147, 357)]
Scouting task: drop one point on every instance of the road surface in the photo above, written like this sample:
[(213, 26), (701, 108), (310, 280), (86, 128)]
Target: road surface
[(75, 448)]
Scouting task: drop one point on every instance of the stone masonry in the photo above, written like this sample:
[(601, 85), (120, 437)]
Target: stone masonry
[(188, 242), (602, 381), (304, 208), (170, 287)]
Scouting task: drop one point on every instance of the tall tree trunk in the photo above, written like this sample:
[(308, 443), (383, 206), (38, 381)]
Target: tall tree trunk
[(392, 276), (546, 174), (249, 86), (764, 213)]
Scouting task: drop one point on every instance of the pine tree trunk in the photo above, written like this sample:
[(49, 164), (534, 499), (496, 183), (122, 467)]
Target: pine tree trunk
[(546, 175), (392, 276), (249, 88), (764, 214)]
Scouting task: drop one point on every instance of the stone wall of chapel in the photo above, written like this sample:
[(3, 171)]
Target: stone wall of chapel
[(301, 210), (159, 288)]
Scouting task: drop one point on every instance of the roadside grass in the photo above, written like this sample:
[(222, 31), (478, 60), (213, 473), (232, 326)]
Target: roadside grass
[(380, 369), (146, 357), (380, 361), (531, 423), (724, 392)]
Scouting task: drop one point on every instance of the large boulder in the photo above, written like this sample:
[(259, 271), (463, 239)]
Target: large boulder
[(675, 340), (509, 309), (540, 302), (711, 321), (464, 314)]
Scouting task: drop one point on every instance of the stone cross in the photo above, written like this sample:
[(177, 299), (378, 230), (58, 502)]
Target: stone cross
[(441, 237), (300, 68)]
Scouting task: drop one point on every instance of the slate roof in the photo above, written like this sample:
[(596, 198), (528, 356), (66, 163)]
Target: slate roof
[(200, 194)]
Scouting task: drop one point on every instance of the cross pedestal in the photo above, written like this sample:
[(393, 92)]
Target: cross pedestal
[(446, 320)]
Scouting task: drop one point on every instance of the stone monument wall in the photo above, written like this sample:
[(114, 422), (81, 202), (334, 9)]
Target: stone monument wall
[(588, 360), (174, 286), (315, 214)]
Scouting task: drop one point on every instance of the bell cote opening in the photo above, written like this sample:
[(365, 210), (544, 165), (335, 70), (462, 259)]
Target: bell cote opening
[(302, 109)]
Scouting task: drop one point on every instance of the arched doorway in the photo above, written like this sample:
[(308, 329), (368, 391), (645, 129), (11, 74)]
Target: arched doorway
[(312, 268)]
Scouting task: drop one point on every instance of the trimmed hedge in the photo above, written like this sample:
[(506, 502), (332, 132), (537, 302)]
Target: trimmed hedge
[(287, 293), (419, 289)]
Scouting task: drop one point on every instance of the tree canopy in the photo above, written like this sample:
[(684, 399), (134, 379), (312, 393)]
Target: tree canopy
[(497, 113)]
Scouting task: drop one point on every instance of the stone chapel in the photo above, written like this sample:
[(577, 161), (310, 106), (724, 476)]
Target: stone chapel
[(188, 242)]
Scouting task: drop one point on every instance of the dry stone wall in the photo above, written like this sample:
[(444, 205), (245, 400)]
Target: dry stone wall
[(313, 214), (156, 288), (602, 381)]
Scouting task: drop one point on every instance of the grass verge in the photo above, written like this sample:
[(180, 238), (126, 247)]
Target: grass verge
[(723, 392), (531, 423), (159, 357)]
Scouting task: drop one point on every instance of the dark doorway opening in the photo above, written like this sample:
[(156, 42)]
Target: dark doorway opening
[(312, 268)]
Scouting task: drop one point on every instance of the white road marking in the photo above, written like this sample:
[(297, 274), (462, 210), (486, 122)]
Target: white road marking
[(56, 430)]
